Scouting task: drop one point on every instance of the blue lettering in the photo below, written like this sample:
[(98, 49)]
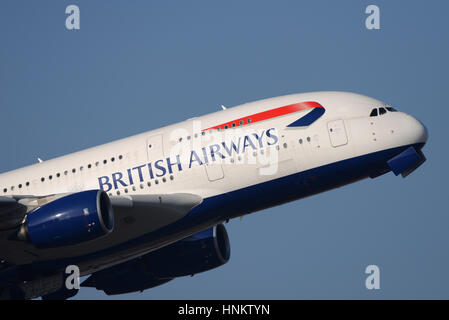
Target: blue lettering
[(206, 160), (139, 170), (272, 136), (130, 176), (259, 139), (117, 177), (197, 159), (150, 169), (245, 144), (233, 146), (160, 168), (216, 151), (104, 181), (169, 164)]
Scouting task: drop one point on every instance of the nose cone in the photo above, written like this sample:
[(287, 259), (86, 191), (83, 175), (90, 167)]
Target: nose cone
[(412, 131), (418, 131)]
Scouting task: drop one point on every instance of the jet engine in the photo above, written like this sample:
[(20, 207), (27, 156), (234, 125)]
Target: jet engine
[(203, 251), (69, 220)]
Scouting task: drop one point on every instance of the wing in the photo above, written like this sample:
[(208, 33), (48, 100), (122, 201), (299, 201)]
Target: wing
[(134, 216), (11, 213)]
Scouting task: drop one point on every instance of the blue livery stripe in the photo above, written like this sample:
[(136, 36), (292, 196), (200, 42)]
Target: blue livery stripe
[(309, 118)]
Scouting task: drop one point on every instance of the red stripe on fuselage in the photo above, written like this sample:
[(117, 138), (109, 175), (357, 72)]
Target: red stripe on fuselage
[(269, 114)]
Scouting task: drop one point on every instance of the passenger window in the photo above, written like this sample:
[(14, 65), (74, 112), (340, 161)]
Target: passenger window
[(373, 113), (382, 111)]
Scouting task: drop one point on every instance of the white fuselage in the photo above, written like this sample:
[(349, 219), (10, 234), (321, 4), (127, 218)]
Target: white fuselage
[(71, 173), (128, 166)]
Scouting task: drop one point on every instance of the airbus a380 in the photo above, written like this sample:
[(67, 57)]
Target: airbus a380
[(138, 212)]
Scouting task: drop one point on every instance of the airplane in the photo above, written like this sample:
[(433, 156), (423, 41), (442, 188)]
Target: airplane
[(136, 213)]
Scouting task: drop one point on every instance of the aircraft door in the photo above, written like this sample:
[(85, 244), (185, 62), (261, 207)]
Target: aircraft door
[(337, 133)]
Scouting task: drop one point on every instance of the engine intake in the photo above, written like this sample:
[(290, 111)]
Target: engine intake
[(69, 220)]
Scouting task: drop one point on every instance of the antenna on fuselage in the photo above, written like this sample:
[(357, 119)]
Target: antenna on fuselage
[(223, 107), (40, 160)]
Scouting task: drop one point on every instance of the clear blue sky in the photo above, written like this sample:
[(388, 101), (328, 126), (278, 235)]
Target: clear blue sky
[(137, 65)]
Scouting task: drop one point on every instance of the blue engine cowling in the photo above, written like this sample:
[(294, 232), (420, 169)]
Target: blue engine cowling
[(203, 251), (69, 220)]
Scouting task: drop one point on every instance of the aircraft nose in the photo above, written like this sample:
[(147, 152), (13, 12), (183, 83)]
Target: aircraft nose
[(418, 130)]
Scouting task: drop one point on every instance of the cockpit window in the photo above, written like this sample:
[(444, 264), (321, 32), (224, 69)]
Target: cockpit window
[(382, 110)]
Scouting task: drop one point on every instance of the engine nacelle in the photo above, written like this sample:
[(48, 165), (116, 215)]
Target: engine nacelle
[(69, 220), (201, 252), (124, 278)]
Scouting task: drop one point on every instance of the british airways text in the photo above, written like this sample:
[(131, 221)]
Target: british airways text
[(208, 154)]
